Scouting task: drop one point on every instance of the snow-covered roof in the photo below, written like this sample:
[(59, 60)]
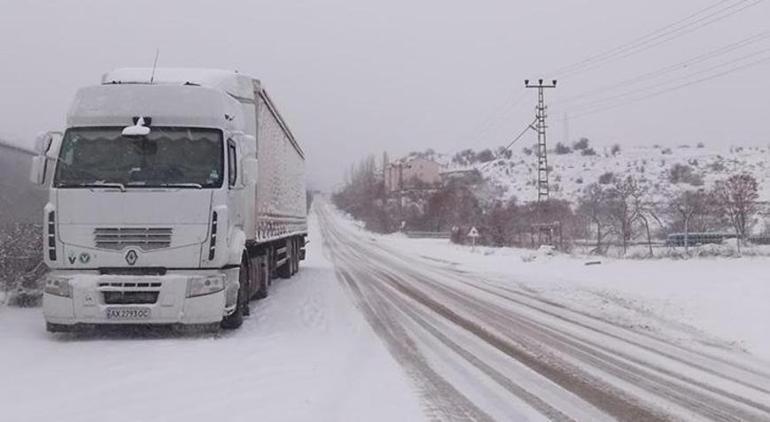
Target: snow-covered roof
[(235, 84)]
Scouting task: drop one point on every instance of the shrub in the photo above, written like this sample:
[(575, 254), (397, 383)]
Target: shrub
[(615, 149), (22, 264), (607, 178), (717, 166), (562, 149), (464, 157), (588, 152), (485, 156), (503, 152), (581, 144), (682, 173)]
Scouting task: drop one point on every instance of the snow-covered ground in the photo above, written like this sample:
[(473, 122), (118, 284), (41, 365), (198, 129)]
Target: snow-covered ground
[(308, 353), (719, 301), (304, 354)]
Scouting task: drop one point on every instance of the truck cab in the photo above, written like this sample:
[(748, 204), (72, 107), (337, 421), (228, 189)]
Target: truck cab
[(153, 214)]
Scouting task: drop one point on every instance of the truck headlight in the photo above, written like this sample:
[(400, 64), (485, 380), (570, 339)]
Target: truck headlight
[(199, 286), (58, 286)]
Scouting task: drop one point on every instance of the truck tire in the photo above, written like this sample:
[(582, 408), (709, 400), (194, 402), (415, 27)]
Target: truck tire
[(284, 271), (295, 255), (264, 277), (57, 328), (235, 320)]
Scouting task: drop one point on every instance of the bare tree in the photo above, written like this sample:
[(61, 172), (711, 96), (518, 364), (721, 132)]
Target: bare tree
[(593, 206), (737, 199), (685, 207), (621, 208), (643, 211)]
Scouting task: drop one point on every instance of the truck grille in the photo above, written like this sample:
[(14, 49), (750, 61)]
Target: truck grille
[(130, 292), (130, 298), (118, 238)]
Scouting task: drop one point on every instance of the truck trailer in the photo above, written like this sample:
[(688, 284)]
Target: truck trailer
[(175, 197)]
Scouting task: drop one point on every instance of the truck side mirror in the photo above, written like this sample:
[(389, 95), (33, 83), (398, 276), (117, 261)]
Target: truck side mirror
[(39, 166), (37, 169), (43, 143)]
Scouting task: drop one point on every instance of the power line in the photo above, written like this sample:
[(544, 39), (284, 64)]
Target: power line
[(667, 33), (675, 88), (507, 147), (599, 101), (672, 68), (677, 35), (671, 29), (635, 40)]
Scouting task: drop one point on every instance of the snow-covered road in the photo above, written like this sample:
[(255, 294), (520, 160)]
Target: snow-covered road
[(304, 354), (478, 348)]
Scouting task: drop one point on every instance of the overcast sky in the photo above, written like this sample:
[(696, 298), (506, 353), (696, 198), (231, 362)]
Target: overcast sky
[(357, 77)]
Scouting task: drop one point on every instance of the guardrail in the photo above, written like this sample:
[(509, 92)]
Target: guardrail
[(427, 235)]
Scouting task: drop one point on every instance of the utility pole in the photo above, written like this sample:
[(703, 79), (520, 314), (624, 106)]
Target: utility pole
[(542, 151)]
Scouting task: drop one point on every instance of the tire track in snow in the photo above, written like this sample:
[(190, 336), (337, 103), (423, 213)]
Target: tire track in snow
[(347, 260), (442, 400), (527, 340)]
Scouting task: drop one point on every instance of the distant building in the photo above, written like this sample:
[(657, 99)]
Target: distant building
[(411, 173)]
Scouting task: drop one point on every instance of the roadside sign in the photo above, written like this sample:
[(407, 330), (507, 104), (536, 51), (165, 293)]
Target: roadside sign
[(473, 234)]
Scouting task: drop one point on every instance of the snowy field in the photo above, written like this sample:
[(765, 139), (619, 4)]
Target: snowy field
[(305, 354), (718, 301)]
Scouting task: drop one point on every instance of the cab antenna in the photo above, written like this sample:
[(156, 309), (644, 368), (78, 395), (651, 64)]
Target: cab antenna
[(154, 65)]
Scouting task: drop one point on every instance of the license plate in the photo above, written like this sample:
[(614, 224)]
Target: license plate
[(133, 313)]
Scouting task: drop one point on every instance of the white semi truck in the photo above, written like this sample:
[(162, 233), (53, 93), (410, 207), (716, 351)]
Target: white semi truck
[(176, 195)]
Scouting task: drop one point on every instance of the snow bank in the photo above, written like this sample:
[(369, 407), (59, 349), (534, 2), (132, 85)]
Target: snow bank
[(718, 301)]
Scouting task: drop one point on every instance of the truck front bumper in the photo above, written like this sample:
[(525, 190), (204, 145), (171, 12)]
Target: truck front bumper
[(129, 299)]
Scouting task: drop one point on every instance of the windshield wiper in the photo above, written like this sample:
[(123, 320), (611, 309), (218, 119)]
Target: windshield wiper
[(93, 185), (163, 185), (181, 185)]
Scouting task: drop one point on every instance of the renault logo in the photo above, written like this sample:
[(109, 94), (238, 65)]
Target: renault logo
[(131, 257)]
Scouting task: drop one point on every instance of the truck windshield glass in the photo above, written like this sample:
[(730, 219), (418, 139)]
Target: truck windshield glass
[(167, 157)]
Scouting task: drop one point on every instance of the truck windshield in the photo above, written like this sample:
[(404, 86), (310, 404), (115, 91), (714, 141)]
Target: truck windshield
[(167, 157)]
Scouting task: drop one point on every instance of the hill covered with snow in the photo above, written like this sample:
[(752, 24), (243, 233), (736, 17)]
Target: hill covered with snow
[(662, 170)]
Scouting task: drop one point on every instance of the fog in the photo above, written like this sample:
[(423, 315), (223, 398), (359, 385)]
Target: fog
[(358, 77)]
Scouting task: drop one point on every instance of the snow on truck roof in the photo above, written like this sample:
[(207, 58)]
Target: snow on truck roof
[(237, 85), (234, 83), (167, 104)]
